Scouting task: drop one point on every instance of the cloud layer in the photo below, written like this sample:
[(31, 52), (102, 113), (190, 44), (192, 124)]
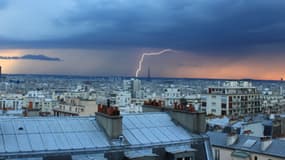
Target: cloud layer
[(219, 26), (232, 38), (37, 57)]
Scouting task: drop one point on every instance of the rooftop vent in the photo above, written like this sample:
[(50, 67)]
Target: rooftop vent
[(232, 138), (265, 142)]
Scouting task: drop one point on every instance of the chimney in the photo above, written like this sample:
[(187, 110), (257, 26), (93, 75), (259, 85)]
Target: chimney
[(265, 142), (193, 121), (153, 106), (232, 138), (110, 120)]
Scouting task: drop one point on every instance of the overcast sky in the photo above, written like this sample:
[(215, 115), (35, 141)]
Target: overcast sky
[(210, 38)]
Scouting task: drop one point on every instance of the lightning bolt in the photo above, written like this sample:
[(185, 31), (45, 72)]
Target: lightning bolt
[(149, 54)]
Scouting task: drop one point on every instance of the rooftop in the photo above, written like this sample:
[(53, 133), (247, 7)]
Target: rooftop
[(248, 143), (36, 136)]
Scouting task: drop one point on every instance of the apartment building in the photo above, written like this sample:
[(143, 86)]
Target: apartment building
[(232, 98), (11, 102), (243, 147), (120, 98), (134, 87), (75, 107), (272, 103), (171, 95), (36, 103)]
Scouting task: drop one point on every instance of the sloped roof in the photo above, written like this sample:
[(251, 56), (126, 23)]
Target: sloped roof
[(152, 128), (47, 135), (277, 147)]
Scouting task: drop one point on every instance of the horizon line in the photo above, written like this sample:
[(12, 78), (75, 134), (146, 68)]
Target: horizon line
[(140, 77)]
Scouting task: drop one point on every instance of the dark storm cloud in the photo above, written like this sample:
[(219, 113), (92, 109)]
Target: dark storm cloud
[(3, 4), (196, 25), (37, 57)]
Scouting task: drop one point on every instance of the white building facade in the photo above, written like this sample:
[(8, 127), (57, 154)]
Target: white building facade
[(233, 98), (171, 95)]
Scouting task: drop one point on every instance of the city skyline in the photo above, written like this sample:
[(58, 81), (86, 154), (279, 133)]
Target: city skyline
[(221, 39)]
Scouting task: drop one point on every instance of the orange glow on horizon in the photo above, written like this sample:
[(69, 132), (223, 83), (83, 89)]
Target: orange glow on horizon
[(260, 66), (263, 66), (230, 72), (9, 66)]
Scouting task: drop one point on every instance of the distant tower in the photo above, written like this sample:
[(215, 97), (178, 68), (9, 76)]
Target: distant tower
[(148, 74), (135, 87)]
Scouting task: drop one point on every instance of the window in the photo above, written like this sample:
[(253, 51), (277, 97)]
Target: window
[(187, 158), (179, 158), (217, 154), (255, 158)]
